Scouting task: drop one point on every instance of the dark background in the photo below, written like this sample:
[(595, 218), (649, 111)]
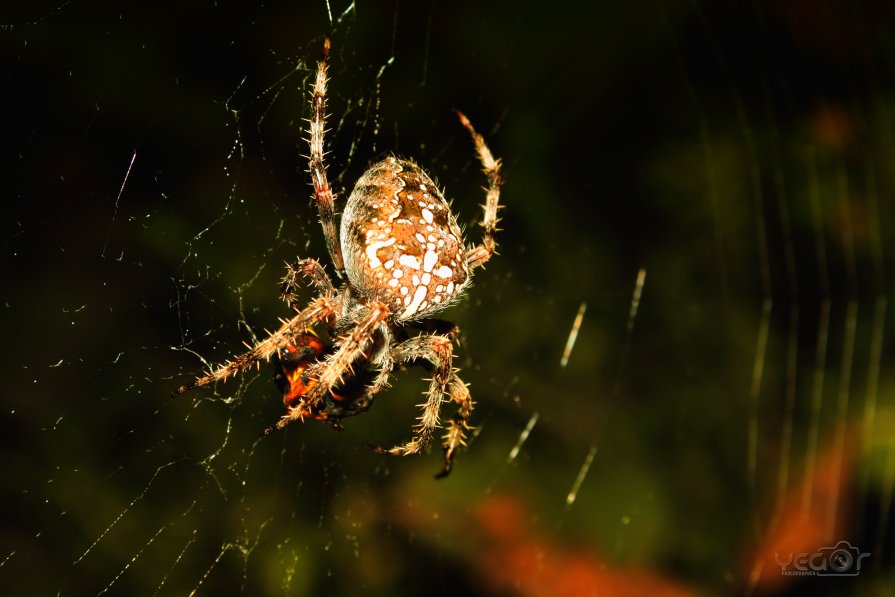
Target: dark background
[(740, 154)]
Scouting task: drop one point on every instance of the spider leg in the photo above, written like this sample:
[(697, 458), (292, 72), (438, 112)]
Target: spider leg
[(438, 351), (458, 425), (322, 192), (320, 310), (479, 255), (382, 380), (335, 366), (311, 269)]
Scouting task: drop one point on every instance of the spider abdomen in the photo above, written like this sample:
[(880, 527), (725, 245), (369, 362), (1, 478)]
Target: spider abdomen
[(400, 241)]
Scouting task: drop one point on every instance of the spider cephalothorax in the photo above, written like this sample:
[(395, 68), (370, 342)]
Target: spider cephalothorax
[(400, 258)]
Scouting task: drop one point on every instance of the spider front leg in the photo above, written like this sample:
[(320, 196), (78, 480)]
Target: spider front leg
[(322, 309), (311, 269), (482, 253), (322, 192)]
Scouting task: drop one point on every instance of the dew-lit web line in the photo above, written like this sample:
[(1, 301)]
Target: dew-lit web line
[(823, 331), (244, 549), (848, 348), (573, 335), (582, 473), (329, 13), (210, 568), (177, 561), (123, 514), (130, 506), (523, 437), (6, 559), (146, 545), (124, 511), (633, 309), (117, 203), (135, 557), (514, 452), (635, 300), (45, 16)]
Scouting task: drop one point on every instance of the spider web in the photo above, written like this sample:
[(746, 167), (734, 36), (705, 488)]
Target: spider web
[(680, 358)]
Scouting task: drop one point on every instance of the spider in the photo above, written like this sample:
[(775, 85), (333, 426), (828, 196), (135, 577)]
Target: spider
[(400, 258)]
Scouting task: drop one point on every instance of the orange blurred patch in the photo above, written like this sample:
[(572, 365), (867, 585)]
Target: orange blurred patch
[(514, 558), (810, 518), (508, 556)]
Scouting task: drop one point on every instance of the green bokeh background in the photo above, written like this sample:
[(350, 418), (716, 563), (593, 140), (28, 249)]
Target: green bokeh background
[(740, 154)]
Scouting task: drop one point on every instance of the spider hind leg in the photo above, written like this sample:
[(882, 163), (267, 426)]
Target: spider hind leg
[(437, 352)]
